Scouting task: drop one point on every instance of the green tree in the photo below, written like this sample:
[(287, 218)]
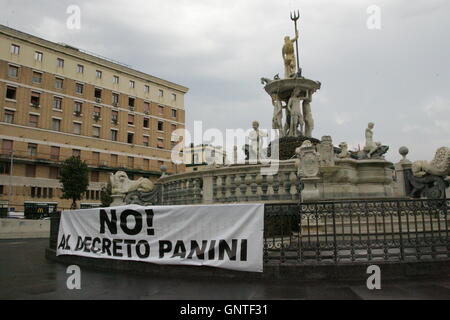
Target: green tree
[(74, 176), (105, 195)]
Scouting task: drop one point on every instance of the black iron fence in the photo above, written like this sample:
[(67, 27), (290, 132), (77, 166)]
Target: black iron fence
[(360, 230), (350, 231)]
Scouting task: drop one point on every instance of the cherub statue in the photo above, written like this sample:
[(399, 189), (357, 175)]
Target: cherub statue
[(370, 146)]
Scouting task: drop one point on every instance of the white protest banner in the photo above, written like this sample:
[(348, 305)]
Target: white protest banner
[(228, 236)]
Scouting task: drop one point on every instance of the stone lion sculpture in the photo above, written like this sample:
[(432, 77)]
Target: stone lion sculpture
[(439, 166), (120, 184)]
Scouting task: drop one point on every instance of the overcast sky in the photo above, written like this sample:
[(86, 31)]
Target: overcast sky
[(397, 76)]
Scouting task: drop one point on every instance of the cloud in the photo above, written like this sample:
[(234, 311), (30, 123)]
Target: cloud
[(396, 77)]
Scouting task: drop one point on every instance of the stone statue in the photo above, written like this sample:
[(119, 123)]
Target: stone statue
[(309, 163), (290, 67), (120, 184), (277, 120), (307, 114), (370, 146), (344, 151), (256, 141), (296, 117), (326, 151), (439, 166)]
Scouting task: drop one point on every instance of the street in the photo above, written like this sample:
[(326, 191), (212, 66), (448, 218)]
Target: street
[(26, 274)]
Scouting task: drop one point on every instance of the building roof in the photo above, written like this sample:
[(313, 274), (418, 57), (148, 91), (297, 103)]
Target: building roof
[(90, 57)]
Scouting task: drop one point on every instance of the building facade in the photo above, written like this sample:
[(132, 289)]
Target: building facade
[(198, 157), (58, 101)]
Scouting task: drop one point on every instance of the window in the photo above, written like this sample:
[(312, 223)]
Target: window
[(54, 153), (53, 172), (132, 84), (60, 63), (114, 135), (174, 97), (33, 120), (32, 149), (15, 49), (146, 164), (160, 126), (56, 124), (5, 168), (37, 77), (174, 113), (130, 162), (79, 88), (145, 141), (146, 122), (7, 146), (76, 153), (160, 143), (35, 99), (59, 83), (13, 71), (130, 137), (115, 79), (115, 117), (130, 120), (114, 160), (96, 157), (97, 113), (161, 110), (131, 102), (57, 103), (94, 176), (77, 108), (161, 93), (11, 93), (146, 107), (115, 99), (9, 116), (38, 56), (96, 132), (146, 89), (98, 74), (30, 170), (76, 128), (80, 68), (98, 94)]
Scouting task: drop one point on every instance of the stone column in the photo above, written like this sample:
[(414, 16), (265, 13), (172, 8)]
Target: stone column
[(208, 188), (400, 168)]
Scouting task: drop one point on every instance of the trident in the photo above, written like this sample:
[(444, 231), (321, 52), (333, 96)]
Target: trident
[(294, 17)]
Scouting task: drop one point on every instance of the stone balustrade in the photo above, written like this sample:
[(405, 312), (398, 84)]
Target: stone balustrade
[(237, 183)]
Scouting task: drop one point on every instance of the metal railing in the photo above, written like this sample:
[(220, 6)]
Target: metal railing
[(357, 231)]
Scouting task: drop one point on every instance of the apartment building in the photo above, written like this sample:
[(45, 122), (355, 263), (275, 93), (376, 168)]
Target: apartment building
[(58, 101)]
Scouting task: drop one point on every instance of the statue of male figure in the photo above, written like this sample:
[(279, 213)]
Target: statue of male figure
[(256, 142), (307, 114), (277, 119), (289, 56), (296, 117)]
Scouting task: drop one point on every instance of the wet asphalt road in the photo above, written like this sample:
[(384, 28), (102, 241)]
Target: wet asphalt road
[(26, 274)]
